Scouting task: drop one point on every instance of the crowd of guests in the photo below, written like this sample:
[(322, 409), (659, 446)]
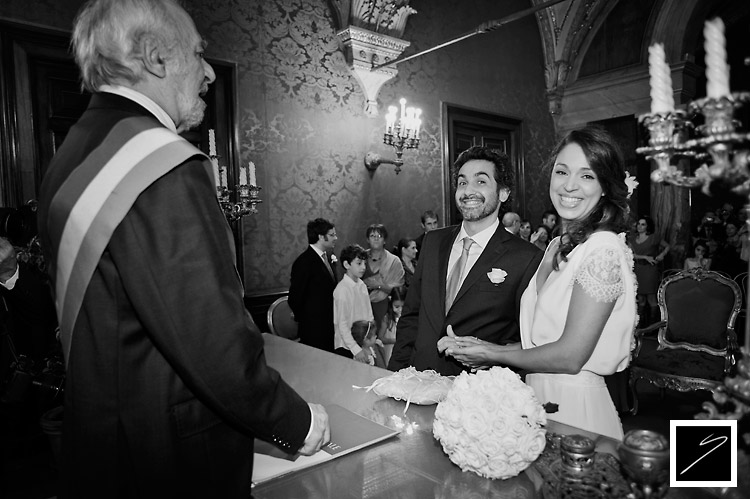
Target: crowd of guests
[(372, 289), (720, 241)]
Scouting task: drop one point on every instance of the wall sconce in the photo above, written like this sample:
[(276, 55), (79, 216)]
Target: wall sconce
[(248, 193), (400, 133)]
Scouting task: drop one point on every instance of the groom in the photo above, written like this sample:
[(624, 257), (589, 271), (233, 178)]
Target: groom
[(469, 276)]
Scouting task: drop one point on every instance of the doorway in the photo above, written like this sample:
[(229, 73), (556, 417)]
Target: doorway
[(465, 127)]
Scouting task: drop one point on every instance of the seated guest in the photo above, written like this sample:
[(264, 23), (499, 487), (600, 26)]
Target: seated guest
[(726, 257), (363, 333), (406, 249), (732, 238), (699, 258), (383, 270), (710, 227), (350, 304)]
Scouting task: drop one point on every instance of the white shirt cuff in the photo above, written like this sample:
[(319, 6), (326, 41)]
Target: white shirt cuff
[(312, 423)]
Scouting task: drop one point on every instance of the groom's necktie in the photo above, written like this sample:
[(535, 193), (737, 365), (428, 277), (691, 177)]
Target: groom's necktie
[(455, 278), (328, 265)]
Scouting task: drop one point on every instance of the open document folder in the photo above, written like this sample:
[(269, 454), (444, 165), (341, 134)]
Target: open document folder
[(349, 432)]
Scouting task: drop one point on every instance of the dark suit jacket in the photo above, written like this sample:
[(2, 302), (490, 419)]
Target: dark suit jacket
[(481, 308), (167, 383), (31, 317), (311, 299)]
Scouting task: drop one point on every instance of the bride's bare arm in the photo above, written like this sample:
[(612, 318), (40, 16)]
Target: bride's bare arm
[(584, 324)]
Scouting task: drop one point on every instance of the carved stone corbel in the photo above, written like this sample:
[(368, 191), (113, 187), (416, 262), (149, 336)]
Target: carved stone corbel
[(556, 76), (364, 49), (369, 34)]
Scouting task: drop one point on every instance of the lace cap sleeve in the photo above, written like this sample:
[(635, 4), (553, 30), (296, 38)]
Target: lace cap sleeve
[(600, 274)]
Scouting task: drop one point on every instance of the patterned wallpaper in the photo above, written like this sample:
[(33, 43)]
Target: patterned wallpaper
[(302, 120)]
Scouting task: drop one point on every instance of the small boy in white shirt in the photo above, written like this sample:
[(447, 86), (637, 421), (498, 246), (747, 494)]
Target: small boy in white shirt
[(351, 302)]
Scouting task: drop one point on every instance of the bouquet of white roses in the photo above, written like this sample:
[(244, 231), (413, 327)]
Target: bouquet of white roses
[(491, 423)]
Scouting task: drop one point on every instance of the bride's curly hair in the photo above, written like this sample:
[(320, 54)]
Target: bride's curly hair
[(612, 211)]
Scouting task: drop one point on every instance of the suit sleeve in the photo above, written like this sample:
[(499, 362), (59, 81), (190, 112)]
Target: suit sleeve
[(175, 255), (408, 324), (299, 283)]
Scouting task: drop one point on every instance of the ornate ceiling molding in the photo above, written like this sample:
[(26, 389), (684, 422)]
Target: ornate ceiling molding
[(370, 33), (565, 29)]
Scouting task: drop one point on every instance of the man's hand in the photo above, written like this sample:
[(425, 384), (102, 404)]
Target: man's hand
[(8, 262), (321, 432)]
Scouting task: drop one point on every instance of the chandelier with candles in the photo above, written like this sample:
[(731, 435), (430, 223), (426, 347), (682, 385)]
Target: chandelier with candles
[(247, 190), (401, 132), (724, 155), (717, 143)]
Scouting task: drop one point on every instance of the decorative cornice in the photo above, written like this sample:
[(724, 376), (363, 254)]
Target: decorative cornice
[(364, 49), (375, 39), (378, 16)]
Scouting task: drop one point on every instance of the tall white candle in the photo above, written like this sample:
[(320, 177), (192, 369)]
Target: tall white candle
[(662, 97), (243, 175), (217, 178), (222, 177), (717, 69), (211, 142), (251, 174)]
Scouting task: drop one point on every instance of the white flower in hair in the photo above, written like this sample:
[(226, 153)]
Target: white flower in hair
[(631, 183)]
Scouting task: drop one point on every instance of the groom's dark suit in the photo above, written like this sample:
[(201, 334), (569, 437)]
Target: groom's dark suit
[(311, 299), (482, 309)]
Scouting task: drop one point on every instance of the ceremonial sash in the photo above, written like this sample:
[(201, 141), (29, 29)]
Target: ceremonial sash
[(94, 199)]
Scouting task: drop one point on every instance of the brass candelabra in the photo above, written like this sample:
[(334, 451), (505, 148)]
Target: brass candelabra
[(248, 196)]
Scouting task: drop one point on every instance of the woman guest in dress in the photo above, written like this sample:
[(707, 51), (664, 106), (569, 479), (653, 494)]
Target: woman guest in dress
[(578, 313), (387, 331), (406, 249), (649, 251), (383, 271), (699, 258), (541, 237), (524, 232)]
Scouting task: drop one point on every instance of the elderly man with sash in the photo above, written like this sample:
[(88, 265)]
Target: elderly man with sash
[(167, 383)]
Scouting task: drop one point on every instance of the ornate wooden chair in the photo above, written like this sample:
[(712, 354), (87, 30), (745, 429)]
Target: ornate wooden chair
[(696, 337), (281, 319)]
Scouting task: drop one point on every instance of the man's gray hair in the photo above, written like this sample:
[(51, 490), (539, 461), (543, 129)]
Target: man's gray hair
[(108, 35)]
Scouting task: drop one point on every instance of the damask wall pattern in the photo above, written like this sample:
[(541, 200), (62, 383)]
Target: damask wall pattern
[(302, 122)]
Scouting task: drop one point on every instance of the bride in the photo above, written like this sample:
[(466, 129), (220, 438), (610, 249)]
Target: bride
[(578, 313)]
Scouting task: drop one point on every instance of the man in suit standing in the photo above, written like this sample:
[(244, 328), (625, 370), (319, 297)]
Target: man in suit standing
[(312, 284), (167, 384), (469, 276), (430, 221), (512, 222)]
